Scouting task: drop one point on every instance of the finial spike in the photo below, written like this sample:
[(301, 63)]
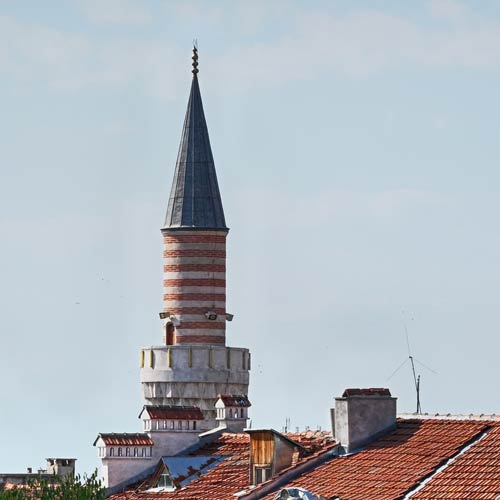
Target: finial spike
[(195, 57)]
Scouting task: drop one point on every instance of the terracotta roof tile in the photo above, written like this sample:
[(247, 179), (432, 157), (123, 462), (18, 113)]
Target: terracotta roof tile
[(239, 400), (221, 482), (393, 464), (125, 439), (387, 469), (373, 391), (475, 474), (173, 412)]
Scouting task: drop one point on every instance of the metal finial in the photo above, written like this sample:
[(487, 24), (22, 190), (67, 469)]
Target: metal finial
[(195, 58)]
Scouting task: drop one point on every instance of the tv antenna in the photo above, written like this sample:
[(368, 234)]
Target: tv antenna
[(287, 425), (412, 360)]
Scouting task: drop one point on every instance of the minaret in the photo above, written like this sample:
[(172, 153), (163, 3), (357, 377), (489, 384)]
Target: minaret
[(194, 237), (194, 365)]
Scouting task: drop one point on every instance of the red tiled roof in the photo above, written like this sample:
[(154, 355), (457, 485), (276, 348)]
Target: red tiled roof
[(392, 465), (475, 474), (221, 482), (124, 439), (239, 400), (373, 391), (173, 412), (229, 476), (453, 459)]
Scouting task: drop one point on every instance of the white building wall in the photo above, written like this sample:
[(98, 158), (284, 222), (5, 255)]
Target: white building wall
[(117, 470)]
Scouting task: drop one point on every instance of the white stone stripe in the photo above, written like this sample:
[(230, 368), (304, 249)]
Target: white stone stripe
[(209, 304), (193, 289), (202, 331), (194, 246), (195, 275), (189, 318), (194, 260)]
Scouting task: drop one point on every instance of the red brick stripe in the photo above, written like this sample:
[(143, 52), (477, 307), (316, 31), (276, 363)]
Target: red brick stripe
[(214, 268), (201, 325), (194, 282), (195, 252), (199, 339), (194, 310), (194, 238), (195, 296)]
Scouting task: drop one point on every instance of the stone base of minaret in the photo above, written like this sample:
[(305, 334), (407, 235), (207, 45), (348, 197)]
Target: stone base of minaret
[(193, 375)]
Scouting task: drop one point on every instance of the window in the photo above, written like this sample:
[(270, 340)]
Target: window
[(261, 474), (127, 452), (144, 452), (241, 412), (165, 481), (170, 333), (171, 424), (164, 424), (111, 452), (179, 424), (119, 452), (194, 425), (136, 452), (235, 413)]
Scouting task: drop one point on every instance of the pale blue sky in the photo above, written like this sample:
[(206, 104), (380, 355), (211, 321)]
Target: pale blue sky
[(357, 148)]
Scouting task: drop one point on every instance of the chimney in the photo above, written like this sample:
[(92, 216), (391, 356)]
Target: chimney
[(361, 415), (61, 466)]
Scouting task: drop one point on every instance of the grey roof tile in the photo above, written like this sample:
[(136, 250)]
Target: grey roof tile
[(195, 200)]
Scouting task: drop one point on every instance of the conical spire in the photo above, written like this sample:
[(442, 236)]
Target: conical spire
[(195, 201)]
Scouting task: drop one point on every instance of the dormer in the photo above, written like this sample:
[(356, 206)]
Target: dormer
[(171, 418), (174, 473), (270, 453), (232, 411)]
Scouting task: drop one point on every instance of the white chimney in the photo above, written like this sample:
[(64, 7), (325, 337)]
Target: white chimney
[(362, 415)]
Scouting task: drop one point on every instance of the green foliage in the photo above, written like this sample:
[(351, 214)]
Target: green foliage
[(66, 488)]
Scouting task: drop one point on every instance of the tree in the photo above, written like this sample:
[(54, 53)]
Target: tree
[(65, 488)]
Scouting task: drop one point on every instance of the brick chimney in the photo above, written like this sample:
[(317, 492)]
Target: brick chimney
[(362, 415)]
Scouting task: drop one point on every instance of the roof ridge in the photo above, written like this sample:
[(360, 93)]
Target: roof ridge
[(450, 416)]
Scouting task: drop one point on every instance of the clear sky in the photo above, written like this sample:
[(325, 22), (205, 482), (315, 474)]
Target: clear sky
[(357, 148)]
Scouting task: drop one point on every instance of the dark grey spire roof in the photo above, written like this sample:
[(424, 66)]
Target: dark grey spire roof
[(195, 200)]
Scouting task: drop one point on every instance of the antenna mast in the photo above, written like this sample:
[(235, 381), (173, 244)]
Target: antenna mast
[(416, 378)]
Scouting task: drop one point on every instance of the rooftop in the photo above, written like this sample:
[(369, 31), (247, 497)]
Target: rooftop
[(422, 459)]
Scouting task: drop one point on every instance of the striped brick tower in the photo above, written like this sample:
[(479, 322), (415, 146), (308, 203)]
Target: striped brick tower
[(194, 364), (195, 286)]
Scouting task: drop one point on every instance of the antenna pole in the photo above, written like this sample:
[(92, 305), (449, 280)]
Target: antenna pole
[(416, 380), (419, 409)]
